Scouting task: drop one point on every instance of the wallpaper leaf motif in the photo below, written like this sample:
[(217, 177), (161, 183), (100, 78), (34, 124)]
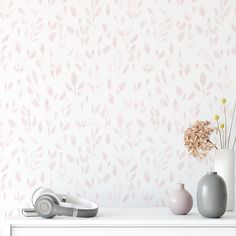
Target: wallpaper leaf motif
[(95, 95)]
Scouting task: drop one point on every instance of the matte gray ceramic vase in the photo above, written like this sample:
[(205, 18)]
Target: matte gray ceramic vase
[(211, 196), (180, 201)]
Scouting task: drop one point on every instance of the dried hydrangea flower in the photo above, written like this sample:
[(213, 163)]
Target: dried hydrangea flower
[(197, 139)]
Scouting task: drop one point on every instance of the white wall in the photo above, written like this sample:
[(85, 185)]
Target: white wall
[(95, 95)]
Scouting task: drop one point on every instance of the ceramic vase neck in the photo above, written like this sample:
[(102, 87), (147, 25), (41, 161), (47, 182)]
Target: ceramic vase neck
[(222, 150), (180, 186), (212, 173)]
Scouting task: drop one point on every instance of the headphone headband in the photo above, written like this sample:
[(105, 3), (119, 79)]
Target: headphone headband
[(75, 202), (62, 204)]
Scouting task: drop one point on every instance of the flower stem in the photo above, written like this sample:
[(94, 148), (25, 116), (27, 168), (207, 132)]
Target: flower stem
[(231, 125), (221, 144), (234, 142), (212, 143), (225, 126)]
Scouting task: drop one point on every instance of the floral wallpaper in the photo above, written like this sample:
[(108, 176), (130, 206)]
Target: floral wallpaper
[(95, 95)]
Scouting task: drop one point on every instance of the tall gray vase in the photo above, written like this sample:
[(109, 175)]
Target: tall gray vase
[(211, 196)]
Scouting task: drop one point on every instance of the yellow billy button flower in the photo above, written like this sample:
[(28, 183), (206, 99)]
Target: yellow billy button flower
[(222, 126), (216, 117), (223, 101)]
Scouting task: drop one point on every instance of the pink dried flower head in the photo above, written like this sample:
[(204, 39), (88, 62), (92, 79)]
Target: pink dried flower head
[(197, 139)]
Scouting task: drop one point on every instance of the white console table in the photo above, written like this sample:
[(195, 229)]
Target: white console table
[(127, 222)]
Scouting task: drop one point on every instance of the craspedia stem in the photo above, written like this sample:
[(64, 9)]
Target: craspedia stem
[(221, 144), (225, 127), (231, 125), (234, 143)]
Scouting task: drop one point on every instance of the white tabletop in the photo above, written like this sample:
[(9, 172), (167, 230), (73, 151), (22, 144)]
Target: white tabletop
[(131, 217)]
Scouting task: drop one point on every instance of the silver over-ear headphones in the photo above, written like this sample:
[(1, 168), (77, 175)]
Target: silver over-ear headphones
[(48, 204)]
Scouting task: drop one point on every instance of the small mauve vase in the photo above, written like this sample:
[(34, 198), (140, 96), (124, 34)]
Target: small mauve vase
[(180, 201)]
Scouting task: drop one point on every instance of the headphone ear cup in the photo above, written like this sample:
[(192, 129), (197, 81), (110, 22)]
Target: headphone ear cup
[(45, 206), (42, 191)]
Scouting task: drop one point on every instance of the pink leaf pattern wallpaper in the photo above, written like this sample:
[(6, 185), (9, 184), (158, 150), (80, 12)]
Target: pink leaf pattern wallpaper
[(95, 95)]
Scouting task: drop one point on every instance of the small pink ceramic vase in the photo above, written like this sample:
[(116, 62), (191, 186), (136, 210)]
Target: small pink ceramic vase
[(180, 201)]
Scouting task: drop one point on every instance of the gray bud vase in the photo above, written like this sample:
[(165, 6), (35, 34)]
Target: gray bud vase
[(211, 196)]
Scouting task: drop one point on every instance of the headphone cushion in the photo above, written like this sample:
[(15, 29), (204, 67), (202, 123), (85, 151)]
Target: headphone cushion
[(42, 191), (45, 205)]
